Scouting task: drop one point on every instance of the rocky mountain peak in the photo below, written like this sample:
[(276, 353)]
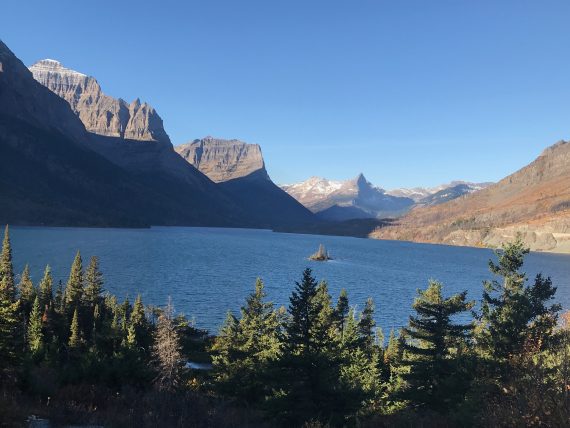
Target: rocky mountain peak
[(223, 160), (100, 113)]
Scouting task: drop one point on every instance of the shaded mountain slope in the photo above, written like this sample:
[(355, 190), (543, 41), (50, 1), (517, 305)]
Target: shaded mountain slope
[(52, 175), (239, 169)]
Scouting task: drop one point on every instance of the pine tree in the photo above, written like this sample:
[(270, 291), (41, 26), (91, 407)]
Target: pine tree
[(512, 312), (341, 311), (59, 300), (35, 334), (93, 283), (167, 351), (366, 327), (245, 348), (46, 288), (8, 308), (310, 363), (27, 293), (436, 380), (7, 287), (75, 332), (74, 287)]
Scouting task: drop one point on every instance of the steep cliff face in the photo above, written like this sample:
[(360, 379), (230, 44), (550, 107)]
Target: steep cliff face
[(534, 201), (239, 170), (49, 175), (54, 172), (130, 135), (24, 100), (100, 113), (223, 160)]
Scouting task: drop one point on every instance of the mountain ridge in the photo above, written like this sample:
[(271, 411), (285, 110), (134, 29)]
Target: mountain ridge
[(358, 198), (534, 202)]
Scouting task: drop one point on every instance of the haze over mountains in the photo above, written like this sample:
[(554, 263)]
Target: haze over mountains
[(358, 198)]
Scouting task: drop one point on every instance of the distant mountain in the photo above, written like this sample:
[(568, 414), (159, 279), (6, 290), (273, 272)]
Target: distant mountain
[(426, 195), (533, 202), (239, 169), (345, 200), (451, 191)]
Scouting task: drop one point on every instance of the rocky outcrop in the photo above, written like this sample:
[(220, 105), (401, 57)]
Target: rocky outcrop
[(239, 170), (534, 201), (100, 113), (223, 160)]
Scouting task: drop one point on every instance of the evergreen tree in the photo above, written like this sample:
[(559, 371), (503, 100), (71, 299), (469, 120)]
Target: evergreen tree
[(245, 348), (513, 313), (8, 308), (436, 379), (75, 332), (93, 284), (59, 300), (46, 288), (341, 311), (366, 327), (167, 352), (74, 287), (27, 291), (7, 287), (35, 334), (360, 375), (309, 386)]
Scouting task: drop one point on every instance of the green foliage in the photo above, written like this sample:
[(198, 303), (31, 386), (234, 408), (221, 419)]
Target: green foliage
[(75, 339), (93, 284), (7, 287), (9, 307), (246, 347), (436, 379), (46, 288), (512, 312), (314, 364), (74, 287), (27, 291), (35, 333), (366, 327)]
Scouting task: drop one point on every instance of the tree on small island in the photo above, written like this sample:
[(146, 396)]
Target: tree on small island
[(322, 255)]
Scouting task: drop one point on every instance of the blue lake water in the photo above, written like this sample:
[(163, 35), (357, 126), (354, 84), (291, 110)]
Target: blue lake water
[(208, 271)]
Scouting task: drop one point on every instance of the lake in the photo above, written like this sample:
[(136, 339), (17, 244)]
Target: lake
[(208, 271)]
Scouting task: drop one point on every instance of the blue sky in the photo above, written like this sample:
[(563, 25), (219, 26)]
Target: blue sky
[(408, 92)]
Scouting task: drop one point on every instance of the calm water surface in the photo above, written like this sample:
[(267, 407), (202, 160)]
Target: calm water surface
[(208, 271)]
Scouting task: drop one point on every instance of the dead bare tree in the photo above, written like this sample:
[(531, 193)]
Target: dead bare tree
[(167, 351)]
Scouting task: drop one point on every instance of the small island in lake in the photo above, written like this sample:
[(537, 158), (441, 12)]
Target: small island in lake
[(322, 255)]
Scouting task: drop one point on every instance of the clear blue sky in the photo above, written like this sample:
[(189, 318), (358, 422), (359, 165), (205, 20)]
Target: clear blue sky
[(407, 92)]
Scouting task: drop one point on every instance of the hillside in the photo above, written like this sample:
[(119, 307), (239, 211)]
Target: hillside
[(533, 202)]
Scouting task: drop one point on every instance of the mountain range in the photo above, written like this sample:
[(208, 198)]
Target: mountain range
[(76, 156), (72, 155), (358, 198), (533, 203)]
